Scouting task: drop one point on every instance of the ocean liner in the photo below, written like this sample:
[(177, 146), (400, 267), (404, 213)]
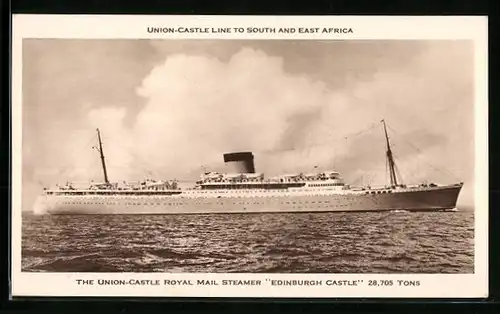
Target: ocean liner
[(243, 190)]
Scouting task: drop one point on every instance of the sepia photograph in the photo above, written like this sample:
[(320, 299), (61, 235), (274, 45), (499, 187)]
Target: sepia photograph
[(248, 156)]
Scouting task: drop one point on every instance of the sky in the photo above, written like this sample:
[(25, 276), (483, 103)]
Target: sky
[(170, 109)]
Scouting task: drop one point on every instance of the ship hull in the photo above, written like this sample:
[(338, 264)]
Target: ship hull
[(425, 199)]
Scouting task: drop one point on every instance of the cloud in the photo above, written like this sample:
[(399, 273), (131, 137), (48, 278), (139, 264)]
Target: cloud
[(198, 107)]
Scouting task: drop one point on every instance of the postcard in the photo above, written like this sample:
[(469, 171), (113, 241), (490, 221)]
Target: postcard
[(250, 156)]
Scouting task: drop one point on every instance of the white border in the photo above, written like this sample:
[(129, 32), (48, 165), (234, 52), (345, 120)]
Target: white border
[(364, 27)]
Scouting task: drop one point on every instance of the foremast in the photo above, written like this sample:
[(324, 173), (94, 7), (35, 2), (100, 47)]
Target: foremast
[(390, 158)]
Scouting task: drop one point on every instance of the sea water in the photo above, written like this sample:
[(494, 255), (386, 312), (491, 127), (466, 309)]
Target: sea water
[(373, 242)]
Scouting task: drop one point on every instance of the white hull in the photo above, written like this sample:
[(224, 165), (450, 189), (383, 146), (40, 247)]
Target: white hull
[(191, 202)]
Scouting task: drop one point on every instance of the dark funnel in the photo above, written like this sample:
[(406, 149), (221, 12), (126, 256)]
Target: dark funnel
[(241, 162)]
